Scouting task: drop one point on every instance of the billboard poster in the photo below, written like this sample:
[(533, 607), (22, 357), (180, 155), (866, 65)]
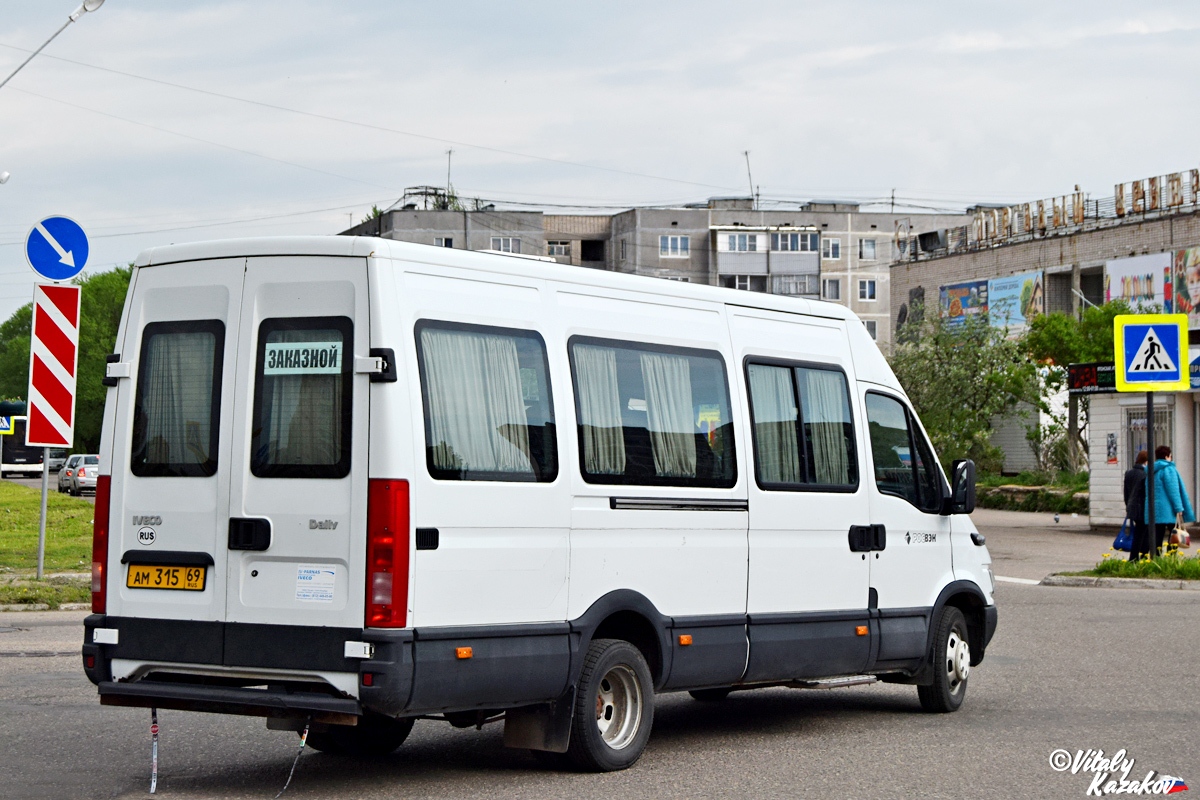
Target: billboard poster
[(960, 300), (1016, 299), (1139, 281), (1185, 285)]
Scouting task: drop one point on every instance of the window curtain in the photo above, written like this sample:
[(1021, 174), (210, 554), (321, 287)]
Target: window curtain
[(775, 424), (668, 385), (177, 400), (477, 419), (600, 410), (304, 412), (823, 396)]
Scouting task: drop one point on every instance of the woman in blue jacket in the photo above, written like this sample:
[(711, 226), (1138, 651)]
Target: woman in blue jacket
[(1171, 503)]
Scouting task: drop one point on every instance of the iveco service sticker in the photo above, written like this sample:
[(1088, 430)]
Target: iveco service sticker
[(315, 582)]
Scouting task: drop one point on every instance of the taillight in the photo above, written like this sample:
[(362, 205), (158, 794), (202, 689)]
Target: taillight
[(100, 544), (387, 554), (82, 472)]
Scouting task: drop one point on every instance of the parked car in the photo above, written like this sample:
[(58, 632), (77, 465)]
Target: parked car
[(58, 459), (79, 474)]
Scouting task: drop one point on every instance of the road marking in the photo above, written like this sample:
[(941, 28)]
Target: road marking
[(1025, 581)]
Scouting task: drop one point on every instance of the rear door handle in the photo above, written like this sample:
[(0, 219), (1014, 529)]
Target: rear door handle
[(248, 533), (865, 538)]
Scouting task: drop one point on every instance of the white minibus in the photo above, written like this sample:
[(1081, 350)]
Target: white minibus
[(347, 482)]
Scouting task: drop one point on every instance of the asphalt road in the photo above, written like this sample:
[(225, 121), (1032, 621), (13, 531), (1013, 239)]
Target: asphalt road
[(1069, 668)]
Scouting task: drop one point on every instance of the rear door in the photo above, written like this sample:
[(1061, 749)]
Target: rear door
[(171, 452), (295, 541)]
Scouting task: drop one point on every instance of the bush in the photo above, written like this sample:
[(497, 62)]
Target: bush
[(1044, 500)]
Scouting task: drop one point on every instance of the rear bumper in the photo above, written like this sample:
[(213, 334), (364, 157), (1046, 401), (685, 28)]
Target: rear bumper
[(227, 700)]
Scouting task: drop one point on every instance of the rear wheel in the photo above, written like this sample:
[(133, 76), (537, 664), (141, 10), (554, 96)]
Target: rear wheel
[(614, 707), (710, 695), (951, 658), (373, 736)]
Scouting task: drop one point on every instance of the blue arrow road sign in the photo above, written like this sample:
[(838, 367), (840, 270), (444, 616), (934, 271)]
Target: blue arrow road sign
[(57, 248)]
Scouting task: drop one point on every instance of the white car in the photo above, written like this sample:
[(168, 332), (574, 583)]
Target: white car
[(355, 481), (79, 474)]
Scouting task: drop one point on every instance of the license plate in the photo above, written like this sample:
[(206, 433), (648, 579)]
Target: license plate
[(188, 579)]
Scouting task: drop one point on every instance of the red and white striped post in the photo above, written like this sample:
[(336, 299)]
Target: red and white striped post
[(53, 360)]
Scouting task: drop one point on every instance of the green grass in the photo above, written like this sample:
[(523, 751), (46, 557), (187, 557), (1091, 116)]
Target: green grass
[(1174, 565), (52, 594), (1062, 480), (68, 530)]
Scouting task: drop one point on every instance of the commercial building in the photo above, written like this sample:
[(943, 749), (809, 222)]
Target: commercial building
[(827, 249), (1058, 254)]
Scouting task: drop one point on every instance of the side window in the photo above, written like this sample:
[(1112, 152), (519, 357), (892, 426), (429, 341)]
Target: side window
[(803, 429), (904, 464), (488, 409), (178, 402), (652, 416), (303, 398)]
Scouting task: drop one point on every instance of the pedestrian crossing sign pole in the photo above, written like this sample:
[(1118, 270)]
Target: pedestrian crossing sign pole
[(1151, 354)]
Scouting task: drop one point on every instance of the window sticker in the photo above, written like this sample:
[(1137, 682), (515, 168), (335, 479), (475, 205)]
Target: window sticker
[(302, 358), (315, 582)]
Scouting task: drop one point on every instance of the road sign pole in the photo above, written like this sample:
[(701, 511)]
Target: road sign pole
[(1151, 526), (42, 520)]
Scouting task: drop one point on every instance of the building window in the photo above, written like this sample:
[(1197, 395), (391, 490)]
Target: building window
[(831, 289), (443, 242), (794, 242), (795, 284), (872, 327), (506, 244), (753, 283), (866, 290), (866, 249), (673, 246), (831, 249), (591, 250), (558, 249), (743, 242), (623, 249)]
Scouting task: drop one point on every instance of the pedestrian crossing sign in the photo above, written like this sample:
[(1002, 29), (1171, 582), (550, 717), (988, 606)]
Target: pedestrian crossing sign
[(6, 426), (1151, 352)]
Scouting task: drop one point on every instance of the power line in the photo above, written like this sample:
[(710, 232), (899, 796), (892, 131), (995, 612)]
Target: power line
[(382, 128)]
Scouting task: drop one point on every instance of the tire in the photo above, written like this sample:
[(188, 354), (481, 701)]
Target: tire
[(951, 660), (710, 695), (614, 707), (373, 736)]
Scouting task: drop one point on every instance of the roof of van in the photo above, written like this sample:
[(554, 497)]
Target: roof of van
[(869, 362)]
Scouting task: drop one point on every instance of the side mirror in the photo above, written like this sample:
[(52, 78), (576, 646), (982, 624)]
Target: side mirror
[(962, 492)]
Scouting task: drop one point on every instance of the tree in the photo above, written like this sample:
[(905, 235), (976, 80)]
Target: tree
[(959, 377), (100, 313), (1058, 340)]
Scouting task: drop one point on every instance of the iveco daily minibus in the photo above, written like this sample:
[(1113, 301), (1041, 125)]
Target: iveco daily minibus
[(346, 482)]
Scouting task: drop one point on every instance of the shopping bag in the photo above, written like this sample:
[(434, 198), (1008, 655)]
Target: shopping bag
[(1180, 537), (1124, 540)]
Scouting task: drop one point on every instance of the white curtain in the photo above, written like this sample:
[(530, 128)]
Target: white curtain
[(599, 410), (303, 424), (775, 423), (477, 417), (177, 399), (668, 385), (823, 397)]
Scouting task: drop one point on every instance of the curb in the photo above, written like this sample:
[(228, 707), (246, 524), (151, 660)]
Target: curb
[(1119, 583), (44, 607)]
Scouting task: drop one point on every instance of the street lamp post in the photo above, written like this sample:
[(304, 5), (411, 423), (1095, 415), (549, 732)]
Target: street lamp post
[(88, 5)]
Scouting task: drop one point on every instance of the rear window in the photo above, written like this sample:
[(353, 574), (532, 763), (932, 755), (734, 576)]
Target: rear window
[(178, 400), (302, 398), (90, 460)]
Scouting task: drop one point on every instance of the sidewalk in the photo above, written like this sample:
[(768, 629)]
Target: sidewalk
[(1032, 546)]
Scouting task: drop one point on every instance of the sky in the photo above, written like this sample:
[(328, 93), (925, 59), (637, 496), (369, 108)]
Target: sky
[(152, 123)]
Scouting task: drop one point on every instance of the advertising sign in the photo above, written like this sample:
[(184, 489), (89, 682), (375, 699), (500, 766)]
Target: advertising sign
[(1016, 299), (1139, 280), (1185, 285), (960, 300)]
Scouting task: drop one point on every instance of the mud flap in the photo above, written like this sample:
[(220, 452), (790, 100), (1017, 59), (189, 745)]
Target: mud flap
[(546, 726)]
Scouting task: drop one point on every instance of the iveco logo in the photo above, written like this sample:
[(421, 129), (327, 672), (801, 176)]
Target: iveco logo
[(152, 520), (322, 525)]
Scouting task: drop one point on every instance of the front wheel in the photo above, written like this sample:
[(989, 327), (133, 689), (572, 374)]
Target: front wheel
[(951, 658), (374, 735), (614, 707)]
